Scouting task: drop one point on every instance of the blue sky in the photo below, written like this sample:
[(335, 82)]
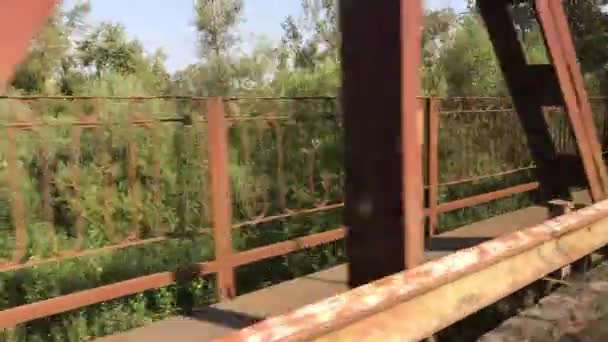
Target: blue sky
[(168, 24)]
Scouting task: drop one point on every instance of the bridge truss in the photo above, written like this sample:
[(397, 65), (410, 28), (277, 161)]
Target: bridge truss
[(384, 186)]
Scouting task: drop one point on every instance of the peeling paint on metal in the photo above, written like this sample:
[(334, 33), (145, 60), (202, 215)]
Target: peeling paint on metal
[(361, 301)]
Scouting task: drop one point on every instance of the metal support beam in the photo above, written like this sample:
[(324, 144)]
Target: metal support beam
[(558, 39), (417, 303), (412, 123), (535, 86), (524, 93), (379, 162)]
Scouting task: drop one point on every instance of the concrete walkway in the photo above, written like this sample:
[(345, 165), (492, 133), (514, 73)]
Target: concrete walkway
[(223, 318)]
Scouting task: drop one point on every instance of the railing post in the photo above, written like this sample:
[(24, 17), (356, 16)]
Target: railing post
[(411, 128), (220, 197), (433, 163), (17, 203)]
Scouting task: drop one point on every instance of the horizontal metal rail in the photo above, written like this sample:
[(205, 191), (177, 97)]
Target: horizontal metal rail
[(486, 197), (415, 304), (87, 297), (442, 208), (166, 97), (25, 313)]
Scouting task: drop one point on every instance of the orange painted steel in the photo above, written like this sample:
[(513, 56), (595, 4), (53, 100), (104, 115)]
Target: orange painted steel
[(487, 197), (25, 313), (411, 133), (221, 199), (238, 259), (20, 20), (561, 50), (364, 311), (433, 164)]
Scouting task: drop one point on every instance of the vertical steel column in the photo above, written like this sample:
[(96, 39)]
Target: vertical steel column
[(376, 152), (412, 121), (433, 164), (220, 197)]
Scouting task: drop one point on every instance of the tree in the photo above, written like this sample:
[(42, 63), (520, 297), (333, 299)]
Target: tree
[(588, 23), (108, 50), (296, 51), (49, 62), (254, 72), (190, 81), (469, 63), (437, 36), (322, 16), (313, 37), (216, 23)]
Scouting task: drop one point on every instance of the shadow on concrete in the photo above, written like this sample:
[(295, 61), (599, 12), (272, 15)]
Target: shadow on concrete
[(227, 318), (326, 281), (452, 244)]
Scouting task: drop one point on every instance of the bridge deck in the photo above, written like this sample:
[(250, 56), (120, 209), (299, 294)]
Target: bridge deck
[(223, 318)]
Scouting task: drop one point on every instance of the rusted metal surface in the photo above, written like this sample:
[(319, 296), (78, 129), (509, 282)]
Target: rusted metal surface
[(220, 201), (286, 247), (170, 97), (79, 253), (277, 125), (292, 213), (461, 297), (487, 197), (201, 132), (374, 152), (514, 66), (65, 303), (25, 313), (433, 164), (561, 50), (411, 132), (443, 208), (484, 177), (93, 124), (19, 22), (582, 98), (391, 200), (416, 303)]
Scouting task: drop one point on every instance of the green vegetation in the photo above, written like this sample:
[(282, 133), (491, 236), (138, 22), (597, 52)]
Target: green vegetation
[(283, 154)]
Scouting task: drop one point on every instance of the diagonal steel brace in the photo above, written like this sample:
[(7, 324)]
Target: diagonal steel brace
[(557, 84), (553, 21)]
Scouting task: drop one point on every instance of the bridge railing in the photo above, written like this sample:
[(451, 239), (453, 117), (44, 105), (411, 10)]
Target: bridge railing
[(204, 186)]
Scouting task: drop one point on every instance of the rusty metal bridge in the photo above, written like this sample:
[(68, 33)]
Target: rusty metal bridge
[(392, 183)]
